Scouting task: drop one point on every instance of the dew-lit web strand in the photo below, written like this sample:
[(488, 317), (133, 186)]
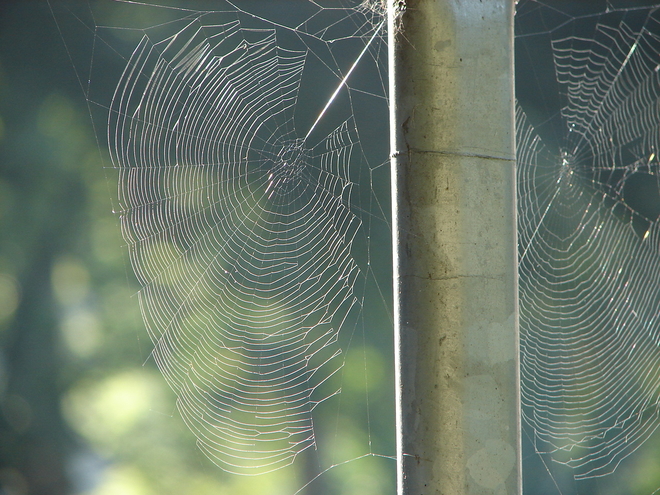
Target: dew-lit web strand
[(193, 14), (605, 152), (194, 19), (170, 197), (336, 92), (613, 83), (183, 191), (343, 81), (631, 276), (319, 36), (602, 102), (369, 269), (242, 247)]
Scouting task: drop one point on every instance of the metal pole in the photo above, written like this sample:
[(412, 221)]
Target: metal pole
[(455, 269)]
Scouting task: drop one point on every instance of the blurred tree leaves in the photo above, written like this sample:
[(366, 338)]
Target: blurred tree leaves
[(63, 281)]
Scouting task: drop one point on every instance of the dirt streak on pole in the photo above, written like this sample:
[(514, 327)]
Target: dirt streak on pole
[(453, 176)]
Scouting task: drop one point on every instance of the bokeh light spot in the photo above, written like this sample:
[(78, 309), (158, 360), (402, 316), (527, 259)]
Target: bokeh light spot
[(70, 281), (81, 333)]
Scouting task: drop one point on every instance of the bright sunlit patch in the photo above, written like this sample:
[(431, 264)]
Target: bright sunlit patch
[(123, 480), (81, 333), (106, 412)]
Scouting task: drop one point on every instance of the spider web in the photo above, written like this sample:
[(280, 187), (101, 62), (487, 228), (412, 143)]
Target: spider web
[(249, 200), (588, 138)]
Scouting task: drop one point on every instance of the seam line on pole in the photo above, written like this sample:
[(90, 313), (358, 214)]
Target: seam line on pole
[(454, 277), (453, 153)]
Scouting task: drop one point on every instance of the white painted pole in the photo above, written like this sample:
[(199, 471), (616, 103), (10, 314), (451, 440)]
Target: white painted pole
[(455, 269)]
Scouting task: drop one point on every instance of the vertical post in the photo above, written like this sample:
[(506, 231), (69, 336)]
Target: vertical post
[(455, 268)]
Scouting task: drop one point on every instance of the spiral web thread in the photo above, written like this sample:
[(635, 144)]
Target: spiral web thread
[(240, 230), (590, 250)]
